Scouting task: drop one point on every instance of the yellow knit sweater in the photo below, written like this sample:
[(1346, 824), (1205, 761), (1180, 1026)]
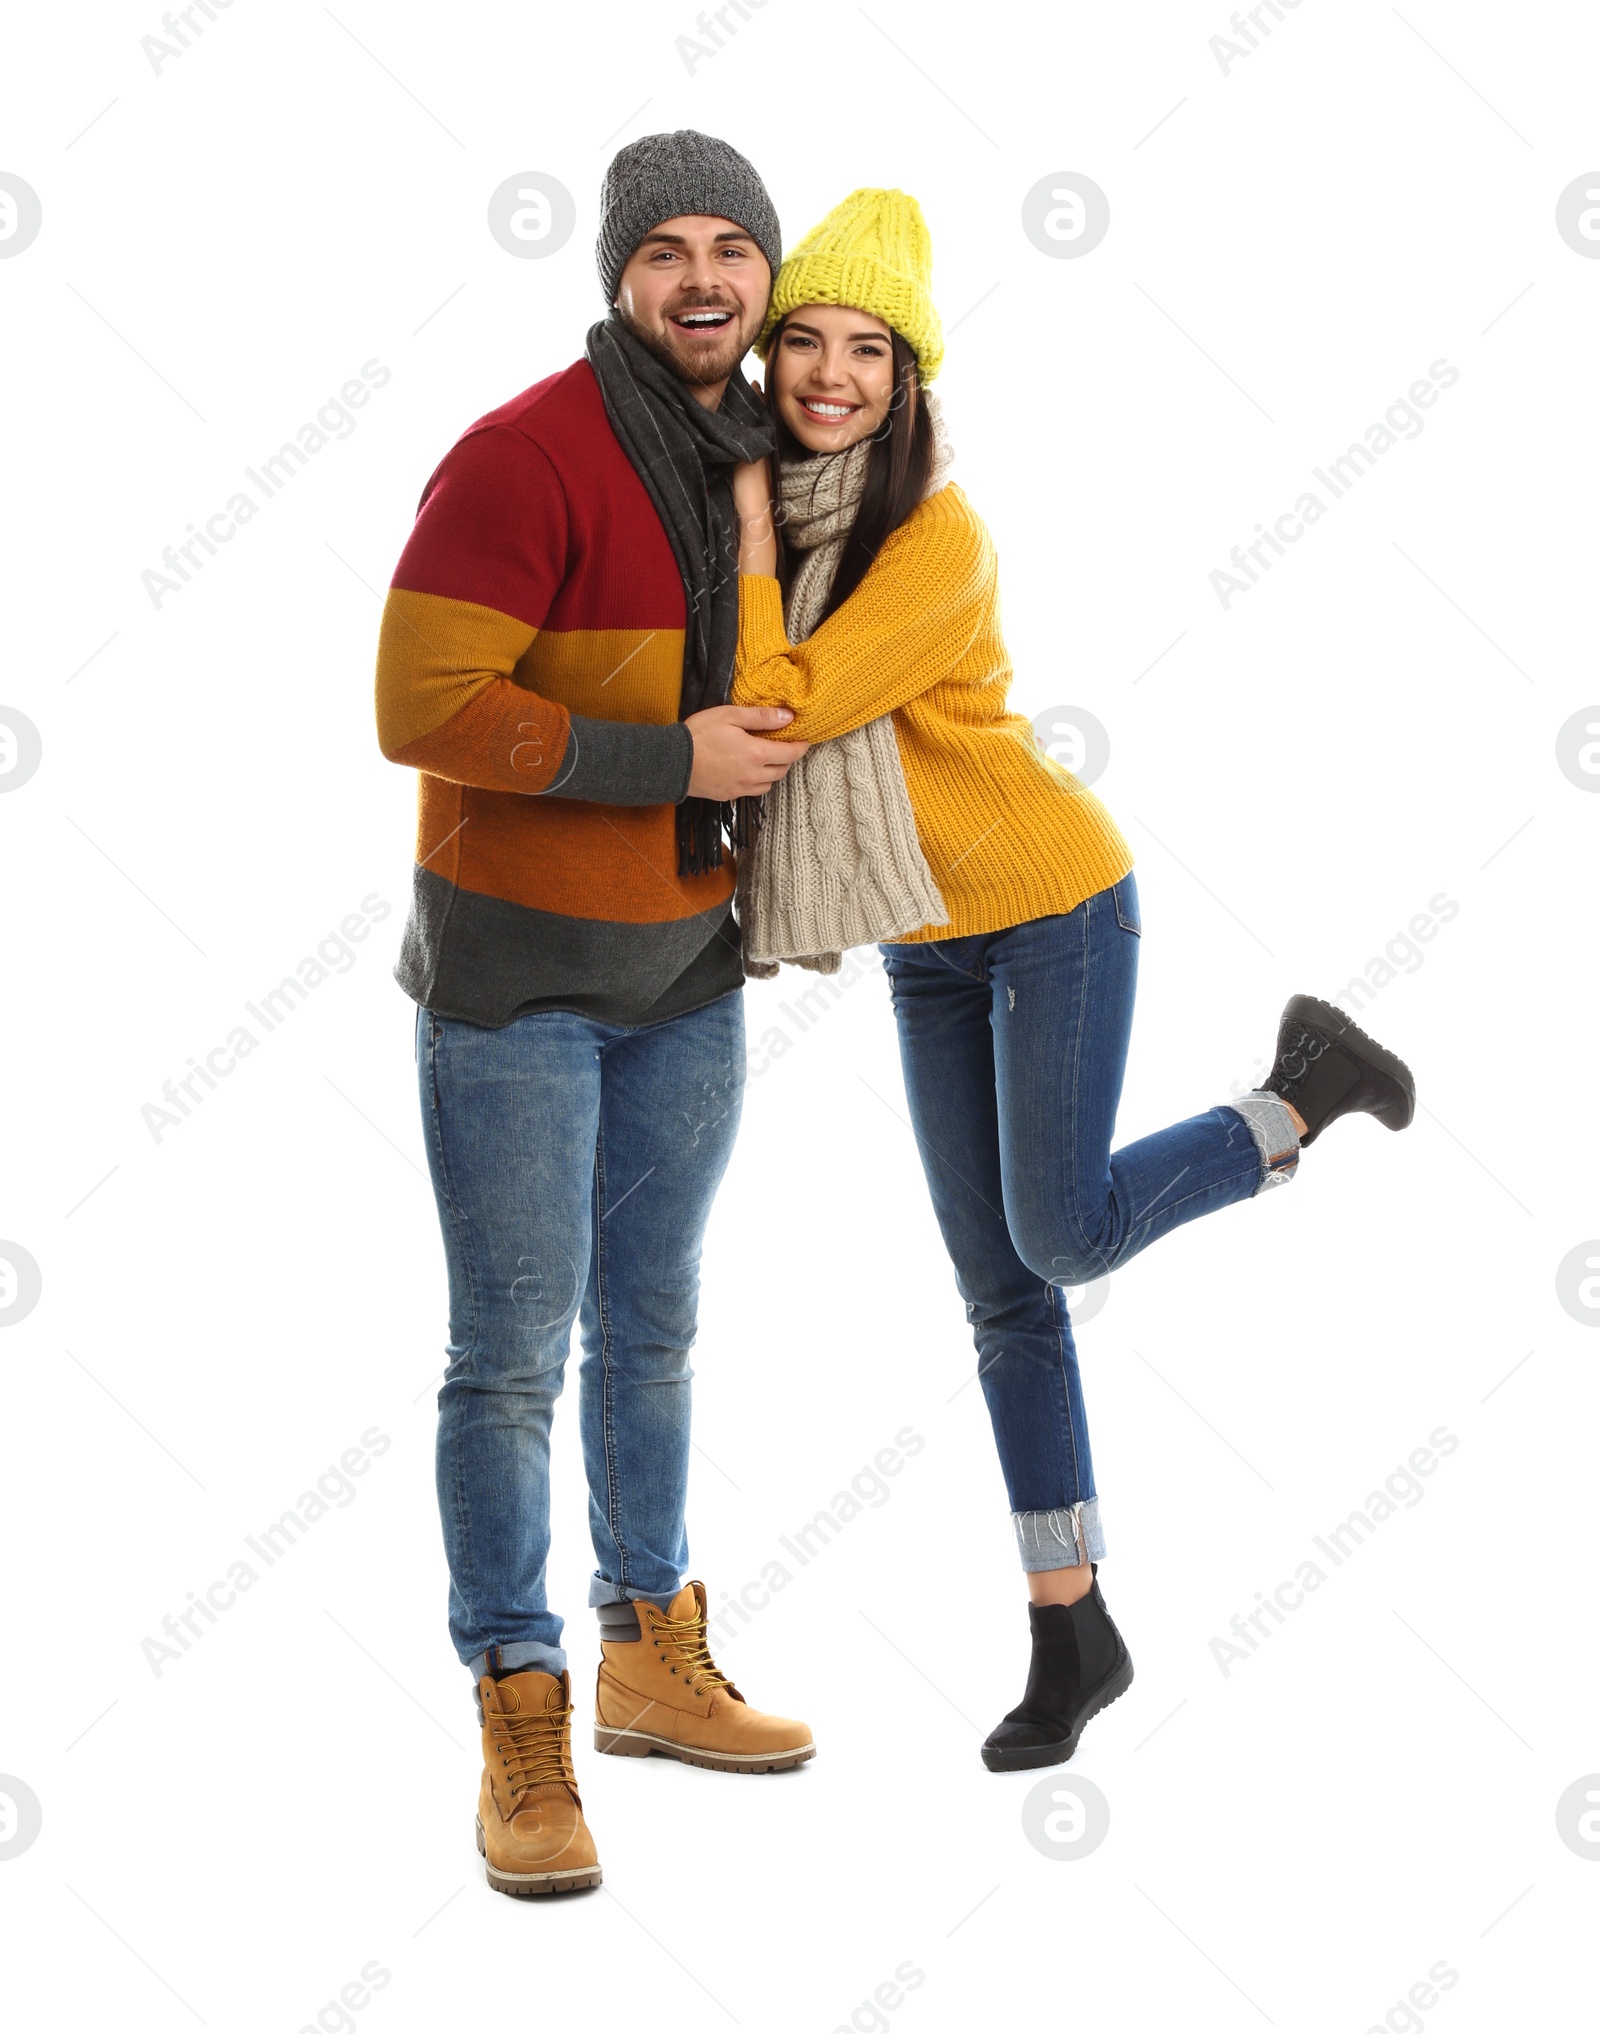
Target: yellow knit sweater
[(1008, 834)]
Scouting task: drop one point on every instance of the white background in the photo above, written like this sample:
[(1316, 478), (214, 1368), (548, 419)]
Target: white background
[(226, 1310)]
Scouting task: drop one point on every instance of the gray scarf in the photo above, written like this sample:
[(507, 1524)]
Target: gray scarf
[(685, 455)]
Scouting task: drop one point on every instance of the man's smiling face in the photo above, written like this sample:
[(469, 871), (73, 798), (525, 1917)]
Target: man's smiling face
[(695, 292)]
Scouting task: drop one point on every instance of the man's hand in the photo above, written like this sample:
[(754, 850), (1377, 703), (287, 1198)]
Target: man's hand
[(731, 759)]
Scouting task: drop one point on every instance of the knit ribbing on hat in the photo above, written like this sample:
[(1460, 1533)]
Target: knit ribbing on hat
[(673, 176), (873, 252)]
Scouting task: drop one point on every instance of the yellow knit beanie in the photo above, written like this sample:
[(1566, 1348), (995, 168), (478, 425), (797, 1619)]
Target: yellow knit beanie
[(872, 252)]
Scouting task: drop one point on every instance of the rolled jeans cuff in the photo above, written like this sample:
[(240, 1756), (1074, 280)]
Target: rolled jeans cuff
[(1059, 1539), (602, 1591), (525, 1656), (1276, 1139)]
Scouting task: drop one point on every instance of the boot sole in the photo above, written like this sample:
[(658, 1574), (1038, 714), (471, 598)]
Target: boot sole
[(1402, 1105), (639, 1744), (1003, 1759), (532, 1885)]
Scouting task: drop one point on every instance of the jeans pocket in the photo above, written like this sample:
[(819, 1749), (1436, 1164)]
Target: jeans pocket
[(1125, 897)]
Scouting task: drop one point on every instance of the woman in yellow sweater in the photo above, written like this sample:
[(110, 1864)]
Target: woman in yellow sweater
[(1014, 1001)]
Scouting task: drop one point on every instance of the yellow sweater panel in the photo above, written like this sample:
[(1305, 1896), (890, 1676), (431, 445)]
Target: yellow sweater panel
[(1009, 835)]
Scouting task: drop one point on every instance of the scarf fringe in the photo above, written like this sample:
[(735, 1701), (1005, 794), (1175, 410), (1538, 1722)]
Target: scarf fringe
[(704, 825)]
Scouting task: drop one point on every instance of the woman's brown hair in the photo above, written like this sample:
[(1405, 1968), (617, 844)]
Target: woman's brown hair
[(898, 470)]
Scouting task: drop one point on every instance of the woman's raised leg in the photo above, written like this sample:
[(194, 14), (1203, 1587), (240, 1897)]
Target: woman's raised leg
[(1063, 1012)]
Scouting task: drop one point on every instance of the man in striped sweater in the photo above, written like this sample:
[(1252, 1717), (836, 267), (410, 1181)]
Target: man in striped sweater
[(555, 661)]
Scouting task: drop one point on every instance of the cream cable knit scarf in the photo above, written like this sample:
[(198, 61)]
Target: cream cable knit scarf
[(836, 862)]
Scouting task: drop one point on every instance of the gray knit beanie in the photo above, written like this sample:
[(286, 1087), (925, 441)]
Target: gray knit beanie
[(668, 176)]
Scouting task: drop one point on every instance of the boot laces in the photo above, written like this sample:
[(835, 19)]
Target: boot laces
[(535, 1747), (687, 1638)]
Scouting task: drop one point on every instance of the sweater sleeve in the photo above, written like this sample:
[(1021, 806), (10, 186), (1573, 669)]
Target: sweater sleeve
[(911, 620), (472, 590)]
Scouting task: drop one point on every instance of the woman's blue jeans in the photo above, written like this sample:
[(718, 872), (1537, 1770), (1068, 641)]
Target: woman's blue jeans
[(1013, 1045), (574, 1164)]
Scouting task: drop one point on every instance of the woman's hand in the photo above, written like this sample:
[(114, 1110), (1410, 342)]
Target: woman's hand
[(752, 504)]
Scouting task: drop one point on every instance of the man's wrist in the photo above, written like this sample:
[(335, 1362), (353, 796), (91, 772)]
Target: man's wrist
[(624, 762)]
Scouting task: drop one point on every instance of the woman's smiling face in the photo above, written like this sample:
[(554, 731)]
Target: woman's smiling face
[(831, 375)]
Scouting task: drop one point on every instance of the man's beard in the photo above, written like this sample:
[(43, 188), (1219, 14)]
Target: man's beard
[(706, 366)]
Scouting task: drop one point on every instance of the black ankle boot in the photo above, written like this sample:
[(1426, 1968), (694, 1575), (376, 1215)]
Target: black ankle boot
[(1079, 1665), (1329, 1067)]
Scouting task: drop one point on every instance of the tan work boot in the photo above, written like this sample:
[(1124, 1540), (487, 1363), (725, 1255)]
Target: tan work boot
[(662, 1692), (531, 1829)]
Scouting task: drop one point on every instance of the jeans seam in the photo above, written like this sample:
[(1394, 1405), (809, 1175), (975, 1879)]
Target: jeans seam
[(1199, 1193), (607, 1367), (1070, 1132), (935, 949), (1107, 1257), (462, 1229), (1058, 1307)]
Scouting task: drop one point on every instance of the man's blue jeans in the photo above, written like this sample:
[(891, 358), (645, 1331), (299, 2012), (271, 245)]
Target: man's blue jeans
[(574, 1164), (1013, 1045)]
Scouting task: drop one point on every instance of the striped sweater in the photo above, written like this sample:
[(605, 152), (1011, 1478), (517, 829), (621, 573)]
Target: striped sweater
[(530, 664)]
